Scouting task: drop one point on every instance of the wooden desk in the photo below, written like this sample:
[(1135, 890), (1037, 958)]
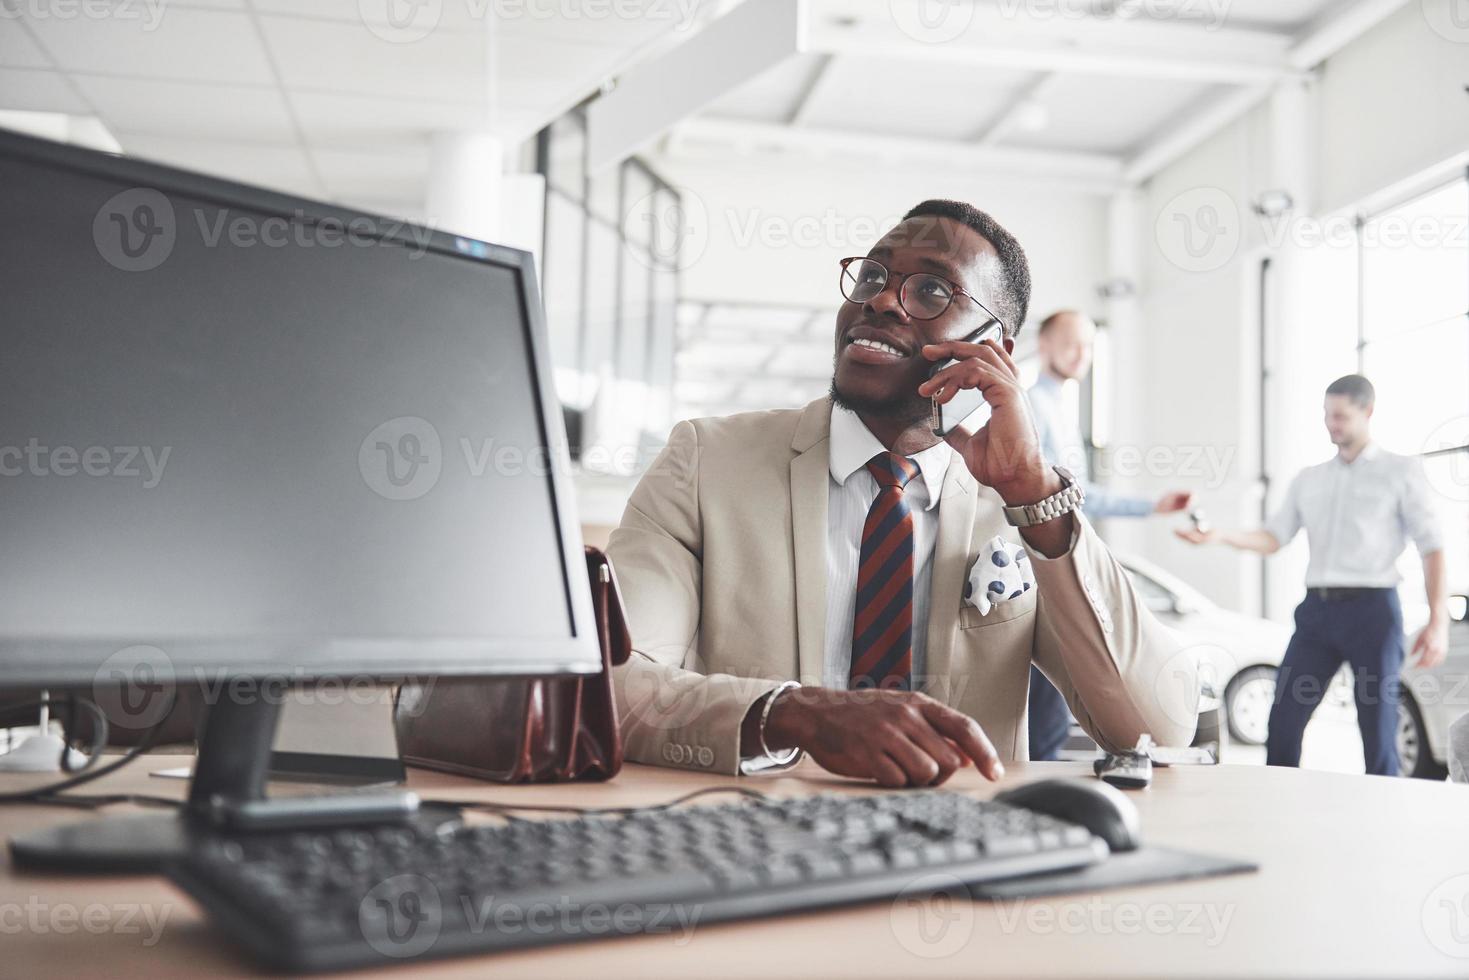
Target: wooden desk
[(1360, 876)]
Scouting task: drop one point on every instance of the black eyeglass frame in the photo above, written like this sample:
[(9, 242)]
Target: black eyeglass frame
[(955, 290)]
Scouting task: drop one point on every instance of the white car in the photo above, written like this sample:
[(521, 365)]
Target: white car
[(1239, 655), (1433, 700)]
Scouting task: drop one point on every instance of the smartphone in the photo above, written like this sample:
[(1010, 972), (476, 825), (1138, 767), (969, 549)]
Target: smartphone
[(944, 419)]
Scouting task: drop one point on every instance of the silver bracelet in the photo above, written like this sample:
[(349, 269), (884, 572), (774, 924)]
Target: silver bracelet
[(765, 712)]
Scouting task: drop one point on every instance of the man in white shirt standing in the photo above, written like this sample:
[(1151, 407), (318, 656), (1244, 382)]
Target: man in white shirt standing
[(1065, 341), (1359, 509)]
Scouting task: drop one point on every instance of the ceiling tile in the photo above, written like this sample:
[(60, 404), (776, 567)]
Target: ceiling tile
[(592, 23), (430, 17), (282, 168), (329, 56), (39, 91), (907, 98), (1105, 114), (332, 119), (184, 109), (545, 72), (18, 50), (204, 45), (771, 96), (397, 173)]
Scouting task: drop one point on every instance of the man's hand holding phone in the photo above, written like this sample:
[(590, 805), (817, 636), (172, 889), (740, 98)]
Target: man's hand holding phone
[(1004, 453)]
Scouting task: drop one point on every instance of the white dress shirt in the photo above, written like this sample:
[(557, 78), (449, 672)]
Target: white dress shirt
[(850, 494), (1358, 518)]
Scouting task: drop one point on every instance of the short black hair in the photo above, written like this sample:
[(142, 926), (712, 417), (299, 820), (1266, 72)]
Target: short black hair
[(1355, 387), (1014, 301)]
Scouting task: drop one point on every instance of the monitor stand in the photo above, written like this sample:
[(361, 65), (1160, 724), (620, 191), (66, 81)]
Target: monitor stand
[(226, 794)]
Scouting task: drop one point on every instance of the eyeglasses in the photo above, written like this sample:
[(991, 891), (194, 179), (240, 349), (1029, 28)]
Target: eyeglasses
[(922, 295)]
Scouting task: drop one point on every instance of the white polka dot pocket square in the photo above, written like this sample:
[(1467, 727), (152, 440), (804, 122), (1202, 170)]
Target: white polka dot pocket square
[(1001, 573)]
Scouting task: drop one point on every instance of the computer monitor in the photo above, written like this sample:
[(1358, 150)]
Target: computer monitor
[(245, 436)]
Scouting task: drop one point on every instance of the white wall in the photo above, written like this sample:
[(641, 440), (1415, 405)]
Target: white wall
[(773, 231), (1386, 109), (1393, 102)]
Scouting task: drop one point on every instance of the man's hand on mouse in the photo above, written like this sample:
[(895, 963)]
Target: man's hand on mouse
[(898, 738)]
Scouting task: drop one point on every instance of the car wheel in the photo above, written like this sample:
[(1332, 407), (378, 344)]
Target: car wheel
[(1247, 703), (1415, 757)]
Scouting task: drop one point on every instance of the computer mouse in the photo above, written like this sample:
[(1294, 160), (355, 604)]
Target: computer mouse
[(1105, 811)]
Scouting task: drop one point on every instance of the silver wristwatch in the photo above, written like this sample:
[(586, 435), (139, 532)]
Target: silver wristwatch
[(1069, 498)]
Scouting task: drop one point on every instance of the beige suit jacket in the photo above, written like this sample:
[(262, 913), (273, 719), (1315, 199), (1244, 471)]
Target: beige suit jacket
[(721, 558)]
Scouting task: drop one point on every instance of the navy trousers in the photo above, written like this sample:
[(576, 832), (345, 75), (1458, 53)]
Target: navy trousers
[(1365, 631), (1050, 719)]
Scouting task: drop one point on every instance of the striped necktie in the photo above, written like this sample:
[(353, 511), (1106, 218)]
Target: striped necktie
[(882, 630)]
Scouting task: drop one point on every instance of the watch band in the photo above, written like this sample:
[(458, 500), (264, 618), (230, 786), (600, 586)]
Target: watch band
[(1069, 498)]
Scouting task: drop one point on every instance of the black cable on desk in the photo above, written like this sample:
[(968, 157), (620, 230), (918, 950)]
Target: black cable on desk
[(508, 810), (47, 794)]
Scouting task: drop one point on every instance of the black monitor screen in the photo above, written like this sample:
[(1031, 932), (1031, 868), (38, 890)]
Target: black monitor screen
[(266, 427)]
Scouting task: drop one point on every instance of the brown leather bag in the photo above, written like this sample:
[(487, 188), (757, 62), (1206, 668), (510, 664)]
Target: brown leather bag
[(524, 729)]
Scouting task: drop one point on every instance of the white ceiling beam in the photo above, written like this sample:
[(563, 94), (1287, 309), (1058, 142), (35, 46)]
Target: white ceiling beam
[(1122, 48), (1095, 171), (1314, 46), (1120, 64), (654, 95)]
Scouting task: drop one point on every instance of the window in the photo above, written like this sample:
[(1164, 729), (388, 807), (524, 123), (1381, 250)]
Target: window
[(611, 285), (1414, 346)]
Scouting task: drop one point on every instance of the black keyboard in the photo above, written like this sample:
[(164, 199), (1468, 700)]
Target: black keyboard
[(344, 898)]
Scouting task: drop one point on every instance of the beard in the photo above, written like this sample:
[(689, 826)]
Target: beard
[(902, 408)]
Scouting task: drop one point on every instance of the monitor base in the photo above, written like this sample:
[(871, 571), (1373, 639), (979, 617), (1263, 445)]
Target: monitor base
[(134, 844), (226, 796)]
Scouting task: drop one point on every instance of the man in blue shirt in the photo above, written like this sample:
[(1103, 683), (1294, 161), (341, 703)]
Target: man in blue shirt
[(1065, 342)]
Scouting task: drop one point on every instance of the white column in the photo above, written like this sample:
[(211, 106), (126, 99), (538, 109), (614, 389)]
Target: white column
[(464, 178), (1123, 310)]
